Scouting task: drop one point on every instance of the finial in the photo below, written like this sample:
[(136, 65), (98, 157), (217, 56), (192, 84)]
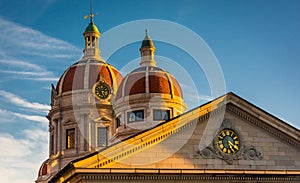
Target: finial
[(91, 11), (147, 32), (91, 15)]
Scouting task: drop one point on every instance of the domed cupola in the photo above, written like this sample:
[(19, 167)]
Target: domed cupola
[(91, 69), (91, 35), (81, 119), (147, 96)]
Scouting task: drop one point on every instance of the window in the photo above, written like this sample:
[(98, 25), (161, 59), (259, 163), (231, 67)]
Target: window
[(135, 116), (102, 137), (70, 138), (161, 115), (93, 41), (52, 144), (118, 120), (88, 41)]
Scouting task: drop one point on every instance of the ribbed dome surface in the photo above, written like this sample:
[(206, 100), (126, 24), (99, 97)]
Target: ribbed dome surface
[(43, 169), (84, 74), (149, 79), (91, 28)]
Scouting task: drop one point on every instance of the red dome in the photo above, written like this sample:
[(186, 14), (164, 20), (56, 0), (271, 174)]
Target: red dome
[(84, 74), (154, 78), (44, 168)]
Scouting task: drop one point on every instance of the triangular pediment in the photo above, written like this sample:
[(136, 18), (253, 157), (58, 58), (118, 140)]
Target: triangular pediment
[(189, 142), (226, 108)]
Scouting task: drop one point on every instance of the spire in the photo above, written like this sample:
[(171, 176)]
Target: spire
[(91, 37), (91, 12), (147, 51)]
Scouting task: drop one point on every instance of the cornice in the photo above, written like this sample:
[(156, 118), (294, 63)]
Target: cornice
[(138, 174), (263, 125)]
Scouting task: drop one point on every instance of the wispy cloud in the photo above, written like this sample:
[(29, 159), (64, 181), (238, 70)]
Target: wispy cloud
[(22, 155), (26, 73), (16, 100), (23, 68), (14, 117), (40, 119), (31, 39), (57, 55), (27, 54), (19, 63), (44, 79), (201, 97), (38, 51), (7, 117)]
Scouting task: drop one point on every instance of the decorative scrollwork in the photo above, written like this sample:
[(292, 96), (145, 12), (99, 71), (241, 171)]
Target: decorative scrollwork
[(212, 151), (251, 153), (247, 153)]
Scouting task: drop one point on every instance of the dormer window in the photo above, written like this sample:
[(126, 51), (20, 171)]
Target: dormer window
[(135, 116), (159, 115)]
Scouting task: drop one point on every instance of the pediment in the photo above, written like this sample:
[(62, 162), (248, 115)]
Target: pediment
[(68, 122), (103, 119), (187, 142)]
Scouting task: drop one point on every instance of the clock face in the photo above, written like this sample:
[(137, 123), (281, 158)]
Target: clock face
[(102, 91), (228, 141)]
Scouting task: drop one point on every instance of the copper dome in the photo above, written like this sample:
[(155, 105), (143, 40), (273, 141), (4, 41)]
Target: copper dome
[(44, 170), (149, 79), (85, 73)]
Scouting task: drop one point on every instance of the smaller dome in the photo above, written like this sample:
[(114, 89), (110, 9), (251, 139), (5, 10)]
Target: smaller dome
[(91, 28), (44, 168), (149, 79)]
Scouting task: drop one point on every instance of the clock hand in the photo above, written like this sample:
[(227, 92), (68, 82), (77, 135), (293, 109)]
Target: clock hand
[(231, 144)]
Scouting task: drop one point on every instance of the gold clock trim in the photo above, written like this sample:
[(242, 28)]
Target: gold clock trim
[(102, 90), (228, 141)]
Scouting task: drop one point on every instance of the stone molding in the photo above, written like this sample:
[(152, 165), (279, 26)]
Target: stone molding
[(190, 177), (253, 120), (212, 151)]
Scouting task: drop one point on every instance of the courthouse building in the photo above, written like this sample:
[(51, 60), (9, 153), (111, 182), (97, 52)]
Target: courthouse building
[(107, 128)]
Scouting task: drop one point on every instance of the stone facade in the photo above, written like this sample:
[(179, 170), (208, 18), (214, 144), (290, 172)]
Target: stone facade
[(175, 150)]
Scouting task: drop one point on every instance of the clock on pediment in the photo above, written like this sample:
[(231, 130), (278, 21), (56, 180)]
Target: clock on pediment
[(102, 90), (228, 141), (227, 145)]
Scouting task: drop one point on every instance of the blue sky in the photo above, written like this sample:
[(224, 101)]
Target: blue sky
[(255, 42)]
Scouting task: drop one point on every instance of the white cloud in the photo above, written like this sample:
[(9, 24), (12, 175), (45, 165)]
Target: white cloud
[(16, 100), (26, 54), (19, 63), (57, 55), (31, 39), (17, 41), (12, 117), (44, 79), (7, 117), (24, 68), (35, 118), (26, 73), (11, 144), (20, 156), (201, 97)]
